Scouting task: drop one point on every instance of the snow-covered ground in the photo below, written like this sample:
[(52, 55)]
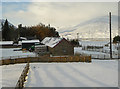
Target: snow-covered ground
[(99, 73), (8, 52), (11, 74)]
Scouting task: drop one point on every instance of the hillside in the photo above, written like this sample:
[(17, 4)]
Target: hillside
[(94, 28)]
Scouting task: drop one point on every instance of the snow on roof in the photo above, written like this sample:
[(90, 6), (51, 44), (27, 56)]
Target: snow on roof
[(30, 41), (40, 45), (23, 38), (51, 41), (93, 43), (6, 42)]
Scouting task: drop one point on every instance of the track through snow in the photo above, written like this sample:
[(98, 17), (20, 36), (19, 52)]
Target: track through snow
[(99, 73)]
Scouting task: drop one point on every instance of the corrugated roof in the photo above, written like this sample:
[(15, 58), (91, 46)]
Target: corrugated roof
[(51, 41)]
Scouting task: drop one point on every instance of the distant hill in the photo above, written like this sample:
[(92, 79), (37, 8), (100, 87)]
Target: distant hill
[(94, 28)]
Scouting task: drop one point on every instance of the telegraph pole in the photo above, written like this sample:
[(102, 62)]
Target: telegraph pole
[(110, 35), (78, 36)]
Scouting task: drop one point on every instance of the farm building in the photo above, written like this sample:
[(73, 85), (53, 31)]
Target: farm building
[(41, 50), (58, 46), (27, 44)]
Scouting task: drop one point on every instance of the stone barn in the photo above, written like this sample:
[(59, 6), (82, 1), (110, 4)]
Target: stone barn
[(58, 46)]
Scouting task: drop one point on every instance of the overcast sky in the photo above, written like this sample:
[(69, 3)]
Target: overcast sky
[(58, 14)]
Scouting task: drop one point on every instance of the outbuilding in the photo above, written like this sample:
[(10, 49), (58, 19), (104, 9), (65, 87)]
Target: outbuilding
[(58, 46), (27, 44)]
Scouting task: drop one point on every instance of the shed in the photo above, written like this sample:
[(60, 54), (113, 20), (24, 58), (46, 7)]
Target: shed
[(58, 46), (27, 44), (41, 50)]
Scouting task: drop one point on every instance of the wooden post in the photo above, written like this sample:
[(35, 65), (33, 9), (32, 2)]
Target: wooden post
[(98, 56)]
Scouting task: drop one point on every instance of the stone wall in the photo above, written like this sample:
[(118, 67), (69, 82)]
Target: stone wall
[(63, 48)]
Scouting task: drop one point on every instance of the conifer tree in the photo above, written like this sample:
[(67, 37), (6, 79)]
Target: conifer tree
[(6, 31)]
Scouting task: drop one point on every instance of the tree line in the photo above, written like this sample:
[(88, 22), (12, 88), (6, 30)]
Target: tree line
[(40, 31)]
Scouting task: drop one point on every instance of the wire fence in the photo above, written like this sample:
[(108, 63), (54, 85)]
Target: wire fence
[(99, 55), (103, 56)]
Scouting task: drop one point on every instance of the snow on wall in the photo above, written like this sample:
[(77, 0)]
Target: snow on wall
[(6, 42), (51, 41)]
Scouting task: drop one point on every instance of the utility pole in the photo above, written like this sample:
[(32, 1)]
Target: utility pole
[(110, 35), (78, 36)]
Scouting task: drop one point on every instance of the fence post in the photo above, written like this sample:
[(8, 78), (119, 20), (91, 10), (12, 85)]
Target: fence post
[(90, 55), (98, 56)]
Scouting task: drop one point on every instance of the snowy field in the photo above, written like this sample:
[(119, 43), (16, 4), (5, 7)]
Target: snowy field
[(11, 74), (8, 52), (99, 73)]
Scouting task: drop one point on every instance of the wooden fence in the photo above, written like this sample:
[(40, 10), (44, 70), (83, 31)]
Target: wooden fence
[(20, 83), (47, 59)]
